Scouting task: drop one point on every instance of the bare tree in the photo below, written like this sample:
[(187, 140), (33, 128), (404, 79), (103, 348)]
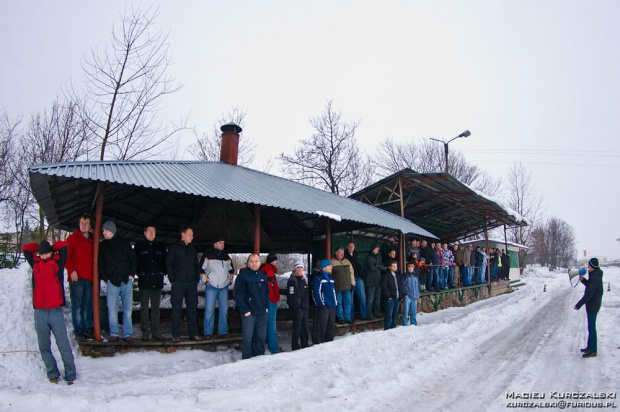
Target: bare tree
[(523, 198), (125, 87), (8, 139), (428, 157), (554, 243), (207, 146), (57, 135), (331, 159)]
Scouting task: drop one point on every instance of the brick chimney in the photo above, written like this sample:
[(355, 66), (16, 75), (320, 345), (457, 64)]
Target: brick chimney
[(229, 149)]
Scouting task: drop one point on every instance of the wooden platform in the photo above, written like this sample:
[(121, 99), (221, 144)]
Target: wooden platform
[(97, 349)]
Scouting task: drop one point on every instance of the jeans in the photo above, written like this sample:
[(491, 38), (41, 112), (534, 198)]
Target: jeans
[(444, 277), (483, 274), (373, 304), (153, 296), (254, 330), (188, 291), (81, 305), (52, 320), (272, 334), (467, 275), (360, 292), (478, 275), (300, 329), (493, 272), (325, 318), (213, 294), (391, 313), (343, 310), (409, 309), (592, 339), (125, 292), (451, 276), (432, 278)]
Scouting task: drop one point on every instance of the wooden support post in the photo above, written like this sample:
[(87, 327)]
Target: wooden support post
[(257, 229), (401, 236), (402, 258), (486, 238), (96, 238), (328, 238)]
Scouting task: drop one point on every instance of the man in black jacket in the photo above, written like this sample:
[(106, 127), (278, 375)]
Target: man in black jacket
[(374, 267), (592, 298), (184, 271), (151, 255), (431, 259), (251, 297), (297, 298), (117, 267), (359, 289), (393, 291)]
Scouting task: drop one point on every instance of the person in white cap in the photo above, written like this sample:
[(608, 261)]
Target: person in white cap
[(298, 302)]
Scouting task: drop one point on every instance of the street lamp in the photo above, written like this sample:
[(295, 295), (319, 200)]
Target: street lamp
[(466, 133)]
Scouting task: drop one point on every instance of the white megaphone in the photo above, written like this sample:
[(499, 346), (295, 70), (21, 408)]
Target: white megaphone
[(573, 273)]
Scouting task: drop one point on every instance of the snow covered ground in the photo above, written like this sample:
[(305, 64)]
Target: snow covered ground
[(459, 359)]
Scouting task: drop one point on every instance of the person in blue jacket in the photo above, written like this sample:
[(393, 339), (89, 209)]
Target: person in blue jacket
[(412, 291), (324, 295), (251, 298)]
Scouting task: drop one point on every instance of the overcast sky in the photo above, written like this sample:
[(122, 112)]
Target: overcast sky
[(536, 82)]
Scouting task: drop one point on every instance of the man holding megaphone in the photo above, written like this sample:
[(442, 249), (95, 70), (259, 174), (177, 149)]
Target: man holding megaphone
[(592, 298)]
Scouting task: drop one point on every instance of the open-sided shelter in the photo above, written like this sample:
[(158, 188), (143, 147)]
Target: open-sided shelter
[(252, 210), (439, 203)]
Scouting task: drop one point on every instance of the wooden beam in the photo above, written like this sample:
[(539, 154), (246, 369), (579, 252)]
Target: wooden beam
[(328, 238), (257, 229), (96, 239)]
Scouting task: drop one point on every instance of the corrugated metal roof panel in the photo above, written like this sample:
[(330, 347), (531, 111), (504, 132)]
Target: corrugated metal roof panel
[(234, 183)]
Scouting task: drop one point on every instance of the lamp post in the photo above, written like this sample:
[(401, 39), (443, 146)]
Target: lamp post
[(466, 133)]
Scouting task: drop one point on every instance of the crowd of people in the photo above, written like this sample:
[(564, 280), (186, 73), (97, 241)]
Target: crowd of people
[(447, 266), (327, 295)]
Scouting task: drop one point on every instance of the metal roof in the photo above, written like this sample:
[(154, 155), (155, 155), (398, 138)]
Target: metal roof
[(440, 203), (176, 192)]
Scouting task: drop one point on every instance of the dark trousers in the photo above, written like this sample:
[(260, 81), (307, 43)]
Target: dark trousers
[(326, 324), (391, 313), (373, 301), (300, 329), (153, 296), (188, 291), (254, 329), (81, 305), (592, 339)]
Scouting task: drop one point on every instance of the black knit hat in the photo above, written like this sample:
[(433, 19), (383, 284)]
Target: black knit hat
[(44, 247), (593, 262), (271, 257)]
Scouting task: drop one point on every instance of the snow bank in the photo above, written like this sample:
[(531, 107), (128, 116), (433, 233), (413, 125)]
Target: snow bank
[(457, 359)]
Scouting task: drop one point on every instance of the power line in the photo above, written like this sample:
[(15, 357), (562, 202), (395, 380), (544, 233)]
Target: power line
[(577, 153), (591, 165)]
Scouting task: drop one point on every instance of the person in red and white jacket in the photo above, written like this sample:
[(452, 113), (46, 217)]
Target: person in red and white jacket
[(269, 268), (48, 297)]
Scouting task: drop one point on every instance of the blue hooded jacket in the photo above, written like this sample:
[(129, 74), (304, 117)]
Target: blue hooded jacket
[(324, 290)]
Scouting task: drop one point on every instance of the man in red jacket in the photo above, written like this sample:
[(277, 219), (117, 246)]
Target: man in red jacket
[(48, 298), (80, 269)]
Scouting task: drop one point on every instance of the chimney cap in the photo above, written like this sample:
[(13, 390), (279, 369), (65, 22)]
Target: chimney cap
[(231, 127)]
